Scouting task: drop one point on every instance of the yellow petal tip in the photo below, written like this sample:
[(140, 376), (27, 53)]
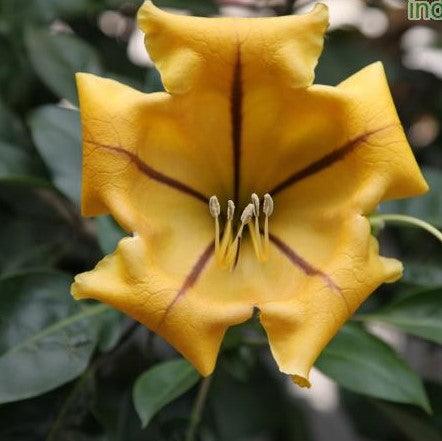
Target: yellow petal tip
[(301, 381), (422, 186), (74, 291), (320, 13), (393, 268), (145, 15), (77, 289), (320, 8)]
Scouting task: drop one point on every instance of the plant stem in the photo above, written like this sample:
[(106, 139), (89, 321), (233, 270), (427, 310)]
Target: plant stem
[(198, 408), (380, 219)]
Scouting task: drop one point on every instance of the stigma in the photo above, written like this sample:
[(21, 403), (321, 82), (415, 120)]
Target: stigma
[(228, 241)]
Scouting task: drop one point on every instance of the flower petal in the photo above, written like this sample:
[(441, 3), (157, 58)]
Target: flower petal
[(199, 53), (187, 316), (299, 328), (219, 69), (349, 144), (356, 158)]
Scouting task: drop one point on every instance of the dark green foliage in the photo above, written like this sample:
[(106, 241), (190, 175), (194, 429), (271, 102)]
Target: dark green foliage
[(361, 362), (418, 313), (80, 371), (160, 385)]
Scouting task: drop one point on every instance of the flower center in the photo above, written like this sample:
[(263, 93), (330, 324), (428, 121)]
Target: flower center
[(228, 244)]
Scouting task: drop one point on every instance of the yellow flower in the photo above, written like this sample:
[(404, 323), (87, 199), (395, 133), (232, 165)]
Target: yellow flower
[(244, 185)]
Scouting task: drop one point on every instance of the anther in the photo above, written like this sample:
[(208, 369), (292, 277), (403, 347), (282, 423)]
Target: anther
[(230, 209), (268, 205), (215, 210), (214, 206), (247, 214), (255, 201)]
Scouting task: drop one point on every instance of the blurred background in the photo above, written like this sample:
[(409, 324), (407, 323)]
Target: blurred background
[(81, 371)]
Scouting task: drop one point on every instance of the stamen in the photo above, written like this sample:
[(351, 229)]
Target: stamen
[(254, 232), (227, 235), (255, 201), (230, 209), (227, 248), (215, 210), (268, 205), (233, 252), (256, 240), (246, 217), (214, 207), (268, 211)]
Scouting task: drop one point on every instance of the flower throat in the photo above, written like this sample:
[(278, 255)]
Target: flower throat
[(227, 244)]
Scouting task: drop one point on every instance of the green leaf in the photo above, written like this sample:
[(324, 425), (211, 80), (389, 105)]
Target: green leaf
[(40, 231), (416, 428), (362, 363), (57, 57), (160, 385), (43, 11), (11, 128), (418, 314), (16, 166), (427, 207), (110, 330), (108, 233), (46, 338), (428, 274), (30, 419), (241, 410), (52, 9), (16, 255), (56, 134), (153, 81)]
